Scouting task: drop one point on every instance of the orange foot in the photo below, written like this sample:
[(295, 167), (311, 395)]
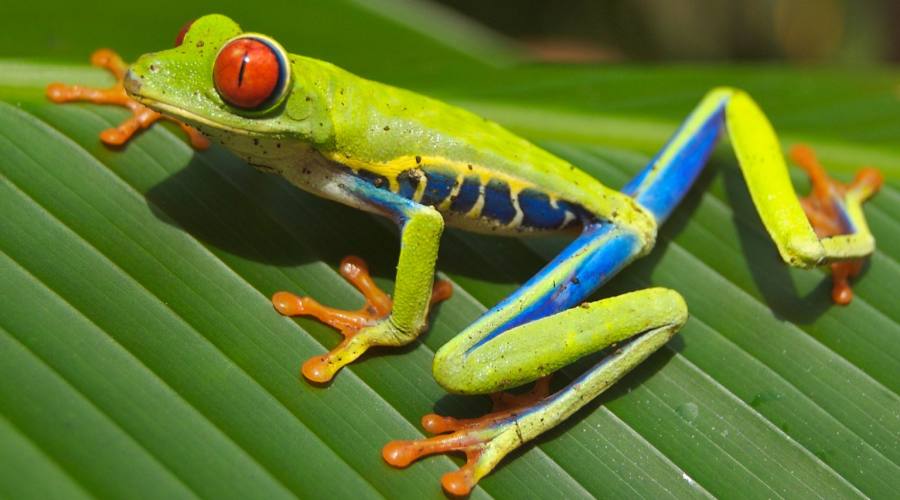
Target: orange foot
[(142, 117), (484, 440), (377, 307), (823, 207)]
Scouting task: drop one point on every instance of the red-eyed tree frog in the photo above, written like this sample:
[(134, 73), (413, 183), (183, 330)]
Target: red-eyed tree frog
[(424, 164)]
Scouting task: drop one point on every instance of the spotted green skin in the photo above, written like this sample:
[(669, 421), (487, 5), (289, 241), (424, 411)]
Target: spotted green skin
[(409, 157)]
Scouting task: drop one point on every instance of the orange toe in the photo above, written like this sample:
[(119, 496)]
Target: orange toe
[(315, 369), (459, 482), (287, 304)]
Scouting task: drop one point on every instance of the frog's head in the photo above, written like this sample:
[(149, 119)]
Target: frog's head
[(229, 83)]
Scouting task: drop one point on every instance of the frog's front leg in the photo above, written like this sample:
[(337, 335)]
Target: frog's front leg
[(382, 321), (142, 116)]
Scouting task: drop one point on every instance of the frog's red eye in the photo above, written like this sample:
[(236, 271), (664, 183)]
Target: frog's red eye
[(184, 29), (251, 73)]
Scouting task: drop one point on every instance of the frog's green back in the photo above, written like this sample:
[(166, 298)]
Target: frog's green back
[(381, 123), (389, 132)]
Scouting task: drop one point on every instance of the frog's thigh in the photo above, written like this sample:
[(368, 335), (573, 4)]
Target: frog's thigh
[(536, 349)]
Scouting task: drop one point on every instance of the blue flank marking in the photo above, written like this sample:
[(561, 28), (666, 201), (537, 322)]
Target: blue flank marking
[(613, 247), (467, 195), (407, 184), (437, 187), (497, 202), (538, 212)]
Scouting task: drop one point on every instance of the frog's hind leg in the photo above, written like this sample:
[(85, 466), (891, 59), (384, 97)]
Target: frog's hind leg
[(503, 404), (525, 338), (142, 116), (802, 237), (765, 172), (637, 324)]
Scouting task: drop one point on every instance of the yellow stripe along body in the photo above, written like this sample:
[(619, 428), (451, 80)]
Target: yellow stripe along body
[(471, 196)]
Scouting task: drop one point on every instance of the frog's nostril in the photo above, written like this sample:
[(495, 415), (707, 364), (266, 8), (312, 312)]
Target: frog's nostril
[(132, 83)]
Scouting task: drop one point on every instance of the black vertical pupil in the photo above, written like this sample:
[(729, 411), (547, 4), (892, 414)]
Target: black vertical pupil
[(244, 61)]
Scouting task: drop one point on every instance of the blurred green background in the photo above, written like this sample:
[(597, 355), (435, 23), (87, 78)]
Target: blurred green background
[(347, 32), (833, 31), (845, 31)]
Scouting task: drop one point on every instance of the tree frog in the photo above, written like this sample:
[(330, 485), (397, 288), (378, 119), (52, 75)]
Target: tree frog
[(424, 164)]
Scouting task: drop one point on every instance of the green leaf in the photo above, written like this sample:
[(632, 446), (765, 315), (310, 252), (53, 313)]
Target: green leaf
[(141, 357)]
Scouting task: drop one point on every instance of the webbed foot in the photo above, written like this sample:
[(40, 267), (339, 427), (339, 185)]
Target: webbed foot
[(484, 440), (142, 116), (825, 209), (361, 329)]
